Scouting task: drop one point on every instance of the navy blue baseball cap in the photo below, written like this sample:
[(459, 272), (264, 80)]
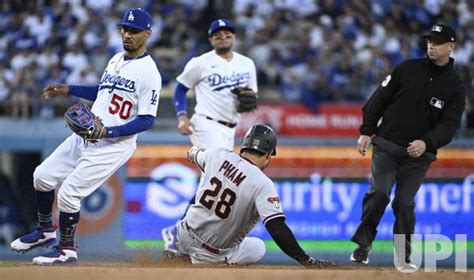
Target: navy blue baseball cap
[(136, 18), (220, 24)]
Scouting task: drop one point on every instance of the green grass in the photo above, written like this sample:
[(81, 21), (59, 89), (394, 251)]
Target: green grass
[(7, 264), (336, 246), (144, 244)]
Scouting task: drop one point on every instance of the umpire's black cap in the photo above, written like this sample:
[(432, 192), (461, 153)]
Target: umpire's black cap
[(260, 138), (442, 32)]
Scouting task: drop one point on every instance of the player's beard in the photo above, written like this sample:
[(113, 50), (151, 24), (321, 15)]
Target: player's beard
[(223, 50), (130, 47)]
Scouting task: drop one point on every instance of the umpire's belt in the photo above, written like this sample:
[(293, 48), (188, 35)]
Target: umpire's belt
[(228, 124), (208, 247)]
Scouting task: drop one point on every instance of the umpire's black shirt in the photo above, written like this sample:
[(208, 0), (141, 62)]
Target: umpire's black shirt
[(419, 100)]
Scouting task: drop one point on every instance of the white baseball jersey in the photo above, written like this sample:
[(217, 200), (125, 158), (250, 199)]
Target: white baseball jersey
[(128, 88), (232, 196), (213, 78)]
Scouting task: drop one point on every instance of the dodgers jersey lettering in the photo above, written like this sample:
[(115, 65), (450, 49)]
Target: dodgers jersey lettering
[(213, 78), (233, 194), (128, 88)]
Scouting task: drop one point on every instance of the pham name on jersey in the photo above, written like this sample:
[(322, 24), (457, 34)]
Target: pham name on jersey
[(231, 171)]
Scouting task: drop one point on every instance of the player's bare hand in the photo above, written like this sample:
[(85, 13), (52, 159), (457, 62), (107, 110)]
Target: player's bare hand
[(314, 263), (55, 89), (184, 125), (363, 144), (416, 148), (191, 154)]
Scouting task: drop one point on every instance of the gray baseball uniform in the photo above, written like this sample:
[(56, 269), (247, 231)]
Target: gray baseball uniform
[(232, 196)]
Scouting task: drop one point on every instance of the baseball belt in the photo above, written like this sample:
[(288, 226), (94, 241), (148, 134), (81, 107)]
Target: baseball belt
[(228, 124), (204, 245)]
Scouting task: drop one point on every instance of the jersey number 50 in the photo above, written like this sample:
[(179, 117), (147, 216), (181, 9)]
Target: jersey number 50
[(226, 199), (120, 106)]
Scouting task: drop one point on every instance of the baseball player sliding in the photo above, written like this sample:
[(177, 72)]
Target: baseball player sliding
[(126, 100), (232, 196), (225, 84)]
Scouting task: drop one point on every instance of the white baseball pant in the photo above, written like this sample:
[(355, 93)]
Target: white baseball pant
[(78, 170), (211, 134)]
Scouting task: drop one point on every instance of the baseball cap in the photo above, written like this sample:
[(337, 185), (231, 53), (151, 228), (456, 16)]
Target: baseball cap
[(220, 24), (136, 18), (442, 32)]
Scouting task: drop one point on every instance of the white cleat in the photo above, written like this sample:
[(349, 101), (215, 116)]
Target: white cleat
[(58, 256), (170, 238), (39, 237)]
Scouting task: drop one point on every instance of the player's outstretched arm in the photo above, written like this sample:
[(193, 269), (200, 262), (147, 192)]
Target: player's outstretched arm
[(285, 239), (55, 89)]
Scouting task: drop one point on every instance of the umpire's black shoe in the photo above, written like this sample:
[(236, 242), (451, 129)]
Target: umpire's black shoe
[(361, 254)]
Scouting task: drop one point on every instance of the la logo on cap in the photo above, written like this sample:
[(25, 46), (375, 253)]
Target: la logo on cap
[(130, 16), (437, 28), (221, 22)]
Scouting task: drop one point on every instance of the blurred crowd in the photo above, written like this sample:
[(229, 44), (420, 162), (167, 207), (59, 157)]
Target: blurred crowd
[(305, 51)]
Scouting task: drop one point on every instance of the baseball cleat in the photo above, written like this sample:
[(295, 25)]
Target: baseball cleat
[(407, 267), (58, 256), (361, 254), (169, 235), (39, 237)]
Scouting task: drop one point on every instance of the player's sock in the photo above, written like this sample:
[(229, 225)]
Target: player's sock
[(44, 203), (67, 228)]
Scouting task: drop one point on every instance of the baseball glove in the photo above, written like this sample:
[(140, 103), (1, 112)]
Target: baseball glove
[(84, 123), (247, 99)]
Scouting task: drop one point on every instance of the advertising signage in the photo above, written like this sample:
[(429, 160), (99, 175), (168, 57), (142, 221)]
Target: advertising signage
[(321, 203)]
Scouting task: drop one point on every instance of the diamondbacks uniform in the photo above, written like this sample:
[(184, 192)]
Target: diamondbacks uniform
[(213, 78), (127, 88), (233, 195)]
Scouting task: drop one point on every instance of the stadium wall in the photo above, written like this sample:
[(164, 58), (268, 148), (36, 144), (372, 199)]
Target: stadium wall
[(321, 182)]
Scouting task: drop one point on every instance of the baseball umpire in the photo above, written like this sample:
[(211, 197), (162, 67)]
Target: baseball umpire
[(415, 111)]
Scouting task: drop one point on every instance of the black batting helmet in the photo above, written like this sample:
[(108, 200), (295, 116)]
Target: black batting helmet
[(260, 138)]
